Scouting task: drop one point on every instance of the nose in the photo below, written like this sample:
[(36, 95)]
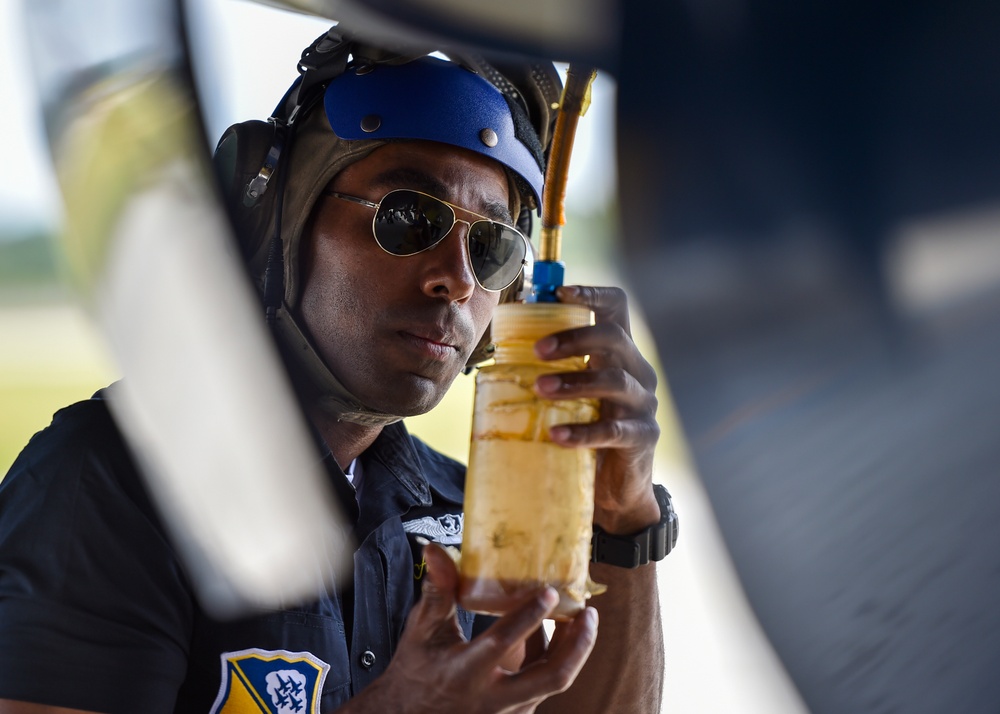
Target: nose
[(447, 270)]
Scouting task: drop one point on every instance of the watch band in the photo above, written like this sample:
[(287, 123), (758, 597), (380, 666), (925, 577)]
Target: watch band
[(649, 545)]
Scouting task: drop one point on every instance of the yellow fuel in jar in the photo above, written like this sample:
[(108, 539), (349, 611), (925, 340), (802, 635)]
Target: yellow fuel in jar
[(529, 503)]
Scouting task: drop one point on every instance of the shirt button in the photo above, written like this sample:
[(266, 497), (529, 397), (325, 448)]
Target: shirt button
[(367, 659)]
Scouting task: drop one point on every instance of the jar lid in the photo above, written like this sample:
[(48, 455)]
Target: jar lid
[(532, 321)]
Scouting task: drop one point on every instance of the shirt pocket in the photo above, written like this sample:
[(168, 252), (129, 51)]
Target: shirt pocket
[(296, 657)]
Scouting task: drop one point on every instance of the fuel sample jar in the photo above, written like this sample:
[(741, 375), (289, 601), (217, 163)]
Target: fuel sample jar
[(529, 503)]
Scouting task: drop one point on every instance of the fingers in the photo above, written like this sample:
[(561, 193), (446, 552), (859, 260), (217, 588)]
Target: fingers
[(608, 344), (565, 631), (434, 615), (433, 662), (567, 653), (441, 581), (617, 375), (513, 629), (624, 434), (608, 304), (615, 385)]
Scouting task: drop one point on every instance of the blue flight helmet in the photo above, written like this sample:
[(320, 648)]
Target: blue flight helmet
[(350, 100), (465, 110)]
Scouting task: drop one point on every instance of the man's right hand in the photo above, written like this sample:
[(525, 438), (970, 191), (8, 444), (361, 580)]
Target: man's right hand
[(435, 669)]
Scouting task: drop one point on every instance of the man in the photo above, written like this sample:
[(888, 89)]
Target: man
[(360, 210)]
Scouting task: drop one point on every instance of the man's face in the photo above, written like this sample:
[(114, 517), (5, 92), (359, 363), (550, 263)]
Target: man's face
[(396, 331)]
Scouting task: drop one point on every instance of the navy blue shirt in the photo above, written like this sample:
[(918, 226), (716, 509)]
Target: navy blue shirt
[(96, 610)]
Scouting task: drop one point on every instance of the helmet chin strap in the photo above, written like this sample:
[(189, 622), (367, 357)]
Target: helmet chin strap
[(325, 389)]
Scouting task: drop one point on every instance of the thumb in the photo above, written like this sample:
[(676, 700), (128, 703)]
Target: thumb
[(440, 585)]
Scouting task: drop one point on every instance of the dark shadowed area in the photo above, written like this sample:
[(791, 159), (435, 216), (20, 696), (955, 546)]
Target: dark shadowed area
[(809, 202)]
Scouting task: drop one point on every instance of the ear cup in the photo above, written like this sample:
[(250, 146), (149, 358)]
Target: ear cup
[(239, 156)]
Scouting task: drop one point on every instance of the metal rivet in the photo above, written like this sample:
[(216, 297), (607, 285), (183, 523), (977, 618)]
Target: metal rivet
[(367, 659), (489, 137), (371, 123)]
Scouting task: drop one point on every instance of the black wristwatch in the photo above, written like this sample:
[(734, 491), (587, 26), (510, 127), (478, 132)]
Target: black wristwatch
[(649, 545)]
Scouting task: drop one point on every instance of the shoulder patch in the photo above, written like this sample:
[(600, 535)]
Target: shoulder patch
[(446, 529), (259, 681)]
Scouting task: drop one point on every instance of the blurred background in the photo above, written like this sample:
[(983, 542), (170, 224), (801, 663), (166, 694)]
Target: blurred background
[(51, 354), (808, 198)]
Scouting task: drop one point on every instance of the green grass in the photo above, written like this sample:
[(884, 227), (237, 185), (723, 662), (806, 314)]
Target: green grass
[(27, 259), (50, 356), (28, 408)]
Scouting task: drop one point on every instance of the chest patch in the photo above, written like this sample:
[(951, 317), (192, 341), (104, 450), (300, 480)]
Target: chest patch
[(259, 681), (446, 529)]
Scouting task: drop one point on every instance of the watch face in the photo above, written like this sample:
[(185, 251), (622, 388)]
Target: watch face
[(669, 516)]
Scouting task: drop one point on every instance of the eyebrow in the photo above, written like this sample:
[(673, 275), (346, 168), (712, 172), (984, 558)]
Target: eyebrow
[(428, 183)]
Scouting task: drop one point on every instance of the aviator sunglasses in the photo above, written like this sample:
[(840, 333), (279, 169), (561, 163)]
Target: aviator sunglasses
[(408, 222)]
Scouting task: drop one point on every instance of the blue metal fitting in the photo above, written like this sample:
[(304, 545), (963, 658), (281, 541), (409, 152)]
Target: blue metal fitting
[(547, 276)]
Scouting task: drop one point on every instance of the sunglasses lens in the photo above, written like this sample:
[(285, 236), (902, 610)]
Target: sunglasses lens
[(497, 252), (408, 222)]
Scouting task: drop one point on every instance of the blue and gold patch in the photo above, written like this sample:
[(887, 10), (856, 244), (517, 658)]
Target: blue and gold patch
[(258, 681)]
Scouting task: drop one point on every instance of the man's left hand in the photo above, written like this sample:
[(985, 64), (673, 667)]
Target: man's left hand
[(626, 431)]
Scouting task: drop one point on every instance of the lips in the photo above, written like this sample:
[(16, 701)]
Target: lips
[(441, 334), (432, 344), (435, 335)]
